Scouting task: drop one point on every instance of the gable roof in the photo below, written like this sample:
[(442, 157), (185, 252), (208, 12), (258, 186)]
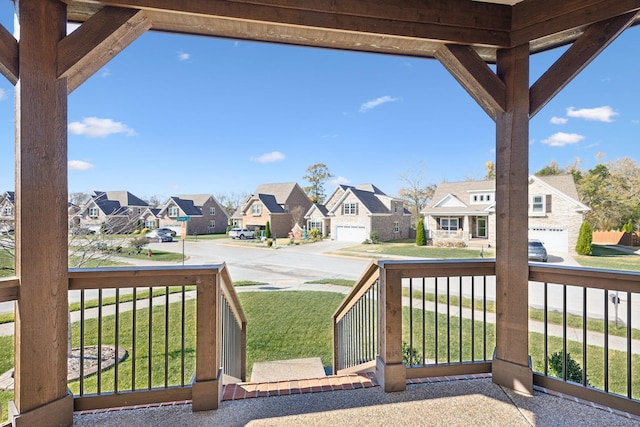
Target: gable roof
[(10, 196), (270, 203), (281, 191), (368, 194), (186, 205), (124, 198), (198, 199)]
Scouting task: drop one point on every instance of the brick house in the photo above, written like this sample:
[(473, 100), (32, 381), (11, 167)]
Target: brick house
[(206, 215), (355, 213), (110, 212), (282, 204), (464, 212)]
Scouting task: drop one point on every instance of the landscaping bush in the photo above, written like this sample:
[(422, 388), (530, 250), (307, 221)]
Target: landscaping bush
[(574, 371), (267, 231), (410, 355), (585, 236), (314, 233), (421, 238)]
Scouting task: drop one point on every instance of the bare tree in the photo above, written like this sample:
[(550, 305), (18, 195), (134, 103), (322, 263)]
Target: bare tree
[(231, 201), (297, 216), (416, 193)]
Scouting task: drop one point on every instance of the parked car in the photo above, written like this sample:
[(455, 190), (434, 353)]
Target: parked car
[(166, 230), (240, 233), (537, 251), (156, 236)]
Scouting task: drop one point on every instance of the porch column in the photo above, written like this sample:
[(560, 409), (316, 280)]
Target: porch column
[(391, 371), (41, 394), (511, 366)]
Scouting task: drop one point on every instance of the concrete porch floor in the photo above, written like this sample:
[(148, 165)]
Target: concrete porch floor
[(356, 400)]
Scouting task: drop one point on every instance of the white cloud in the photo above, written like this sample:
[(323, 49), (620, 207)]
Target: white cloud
[(183, 56), (376, 103), (561, 139), (341, 180), (105, 72), (3, 95), (274, 156), (559, 120), (79, 165), (600, 114), (94, 127)]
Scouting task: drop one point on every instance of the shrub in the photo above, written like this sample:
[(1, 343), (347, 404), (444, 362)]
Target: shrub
[(144, 231), (584, 246), (628, 227), (138, 243), (267, 230), (136, 232), (314, 233), (574, 371), (375, 237), (269, 243), (421, 237), (410, 355)]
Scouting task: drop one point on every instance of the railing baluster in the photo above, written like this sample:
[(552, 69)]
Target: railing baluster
[(134, 337), (100, 317), (448, 320), (81, 351), (629, 347), (473, 318), (584, 336), (545, 323), (436, 332), (150, 341), (460, 318), (424, 321), (117, 343), (182, 335), (606, 341), (484, 317), (410, 322), (166, 337), (564, 333)]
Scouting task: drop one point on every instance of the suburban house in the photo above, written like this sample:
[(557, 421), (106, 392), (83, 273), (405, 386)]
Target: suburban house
[(7, 211), (110, 212), (283, 205), (197, 213), (359, 213), (464, 212)]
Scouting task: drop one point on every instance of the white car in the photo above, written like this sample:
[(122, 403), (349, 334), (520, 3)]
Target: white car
[(240, 233)]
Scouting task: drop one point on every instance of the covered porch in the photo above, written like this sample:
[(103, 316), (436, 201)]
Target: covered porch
[(46, 64)]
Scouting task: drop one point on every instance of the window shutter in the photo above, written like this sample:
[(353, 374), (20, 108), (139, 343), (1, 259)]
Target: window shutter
[(548, 203)]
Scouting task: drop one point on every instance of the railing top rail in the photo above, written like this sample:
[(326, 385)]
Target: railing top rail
[(139, 276), (442, 268), (9, 289), (231, 296), (626, 281), (366, 280)]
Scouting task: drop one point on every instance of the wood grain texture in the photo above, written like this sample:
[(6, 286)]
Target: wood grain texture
[(8, 55)]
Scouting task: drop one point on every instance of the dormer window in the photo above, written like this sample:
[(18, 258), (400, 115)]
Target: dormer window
[(256, 209), (93, 212), (481, 198), (173, 211)]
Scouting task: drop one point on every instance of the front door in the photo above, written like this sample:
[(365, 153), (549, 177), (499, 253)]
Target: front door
[(481, 227)]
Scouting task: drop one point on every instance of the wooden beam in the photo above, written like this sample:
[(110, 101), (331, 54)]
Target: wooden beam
[(41, 218), (575, 59), (511, 362), (460, 20), (97, 41), (534, 19), (475, 76), (8, 55)]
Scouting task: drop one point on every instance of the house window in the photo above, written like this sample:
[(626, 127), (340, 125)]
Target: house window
[(449, 224), (350, 208), (173, 211), (537, 204), (212, 224), (315, 224), (256, 209), (7, 211), (396, 227), (212, 211), (286, 208), (139, 211), (150, 224), (93, 212)]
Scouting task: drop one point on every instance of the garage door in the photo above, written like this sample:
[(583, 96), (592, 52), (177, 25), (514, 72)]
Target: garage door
[(555, 239), (350, 234)]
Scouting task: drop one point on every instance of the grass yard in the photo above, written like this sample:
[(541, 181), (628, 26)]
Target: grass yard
[(609, 259), (410, 249)]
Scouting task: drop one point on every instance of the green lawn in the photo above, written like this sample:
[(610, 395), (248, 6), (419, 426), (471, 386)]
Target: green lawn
[(610, 259), (410, 249)]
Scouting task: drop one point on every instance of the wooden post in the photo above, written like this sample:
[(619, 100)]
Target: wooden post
[(391, 371), (41, 394), (511, 366), (206, 388)]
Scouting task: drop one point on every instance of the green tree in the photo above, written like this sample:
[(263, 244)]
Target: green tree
[(551, 169), (584, 246), (317, 175), (491, 170), (628, 227), (421, 238), (573, 369), (267, 230)]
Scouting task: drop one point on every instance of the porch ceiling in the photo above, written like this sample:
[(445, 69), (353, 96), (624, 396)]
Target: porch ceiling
[(402, 27)]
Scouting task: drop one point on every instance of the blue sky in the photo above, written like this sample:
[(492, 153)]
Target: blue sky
[(177, 114)]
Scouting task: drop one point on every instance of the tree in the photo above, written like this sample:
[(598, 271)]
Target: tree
[(421, 238), (267, 230), (232, 201), (585, 237), (79, 198), (551, 169), (416, 193), (491, 170), (297, 216), (317, 175)]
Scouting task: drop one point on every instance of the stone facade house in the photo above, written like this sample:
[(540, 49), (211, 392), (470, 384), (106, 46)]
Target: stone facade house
[(359, 213), (464, 212), (206, 215), (282, 205), (112, 212), (7, 212)]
